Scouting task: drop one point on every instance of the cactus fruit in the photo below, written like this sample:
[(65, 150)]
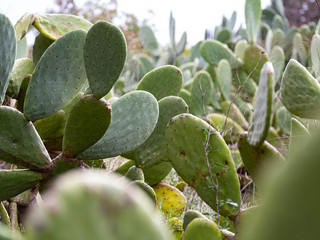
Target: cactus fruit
[(56, 80), (300, 91), (202, 159), (105, 53), (259, 127), (7, 53), (54, 26), (201, 228), (162, 82), (124, 167), (21, 141), (88, 121), (261, 161), (21, 68), (94, 205), (213, 51), (134, 117), (13, 182), (170, 200)]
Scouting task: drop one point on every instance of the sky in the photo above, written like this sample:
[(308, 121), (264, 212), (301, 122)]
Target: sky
[(192, 16)]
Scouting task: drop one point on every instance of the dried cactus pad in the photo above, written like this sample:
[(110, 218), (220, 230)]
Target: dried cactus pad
[(54, 26), (7, 53), (57, 78), (105, 53), (186, 138)]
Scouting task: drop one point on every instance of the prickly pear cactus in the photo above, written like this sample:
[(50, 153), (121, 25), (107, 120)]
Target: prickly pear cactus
[(55, 83), (300, 91), (105, 53), (93, 205), (202, 159), (259, 127), (7, 53)]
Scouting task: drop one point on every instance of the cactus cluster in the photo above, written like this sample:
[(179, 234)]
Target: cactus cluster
[(230, 118)]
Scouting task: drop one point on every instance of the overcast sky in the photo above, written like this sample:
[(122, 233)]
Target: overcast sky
[(192, 16)]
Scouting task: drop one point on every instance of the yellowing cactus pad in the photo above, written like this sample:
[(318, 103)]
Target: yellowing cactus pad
[(169, 200)]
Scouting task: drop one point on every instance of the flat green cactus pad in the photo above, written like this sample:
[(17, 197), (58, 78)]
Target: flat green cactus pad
[(283, 120), (134, 174), (277, 58), (224, 75), (213, 51), (201, 228), (162, 82), (300, 91), (201, 90), (41, 43), (22, 48), (259, 127), (88, 121), (20, 140), (105, 53), (253, 18), (54, 26), (21, 68), (14, 182), (254, 58), (51, 127), (189, 216), (94, 205), (134, 117), (315, 54), (148, 40), (56, 79), (154, 149), (189, 141), (231, 109), (23, 25), (155, 173), (7, 53), (261, 162)]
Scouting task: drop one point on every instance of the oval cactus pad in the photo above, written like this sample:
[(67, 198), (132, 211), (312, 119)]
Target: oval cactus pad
[(162, 82), (57, 78), (134, 117), (89, 119), (54, 26), (202, 159), (105, 53)]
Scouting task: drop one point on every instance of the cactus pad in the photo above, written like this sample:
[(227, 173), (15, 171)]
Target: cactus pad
[(7, 53), (56, 79), (300, 91), (259, 127), (134, 117), (186, 139), (23, 25), (88, 121), (94, 205), (41, 43), (14, 182), (54, 26), (162, 81), (20, 140), (201, 228), (21, 68), (105, 53)]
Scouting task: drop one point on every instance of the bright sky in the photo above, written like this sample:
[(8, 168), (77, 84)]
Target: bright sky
[(192, 16)]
